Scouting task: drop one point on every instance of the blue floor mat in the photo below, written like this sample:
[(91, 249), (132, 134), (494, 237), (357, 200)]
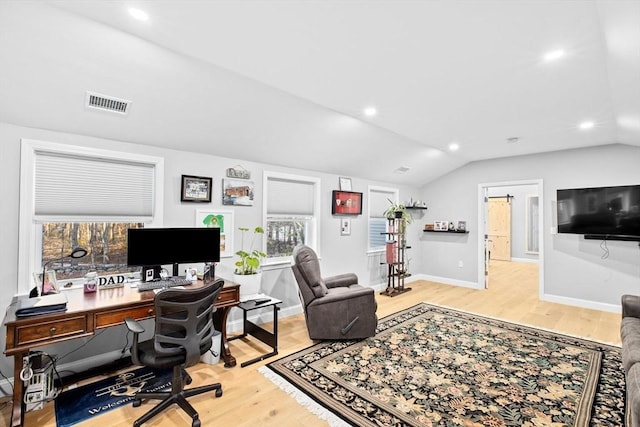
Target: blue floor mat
[(82, 403)]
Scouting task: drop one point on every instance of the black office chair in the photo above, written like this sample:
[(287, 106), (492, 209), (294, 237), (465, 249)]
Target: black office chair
[(183, 332)]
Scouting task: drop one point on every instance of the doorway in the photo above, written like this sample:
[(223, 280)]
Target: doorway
[(522, 225)]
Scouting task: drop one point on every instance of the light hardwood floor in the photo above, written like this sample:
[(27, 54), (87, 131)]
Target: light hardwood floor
[(251, 400)]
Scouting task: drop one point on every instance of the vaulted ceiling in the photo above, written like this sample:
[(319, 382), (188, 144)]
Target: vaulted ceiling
[(287, 82)]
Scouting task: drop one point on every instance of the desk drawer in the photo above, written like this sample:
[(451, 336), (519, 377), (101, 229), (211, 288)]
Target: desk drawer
[(116, 317), (37, 332), (228, 296)]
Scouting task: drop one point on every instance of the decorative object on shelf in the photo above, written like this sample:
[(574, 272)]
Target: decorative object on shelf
[(428, 227), (462, 226), (345, 183), (222, 220), (346, 203), (237, 193), (441, 225), (247, 273), (196, 189), (345, 226), (49, 284), (240, 172)]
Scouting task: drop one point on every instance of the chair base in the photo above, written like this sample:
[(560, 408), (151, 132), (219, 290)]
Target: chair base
[(177, 396)]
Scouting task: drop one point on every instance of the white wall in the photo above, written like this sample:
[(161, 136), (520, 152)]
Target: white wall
[(339, 253), (575, 271)]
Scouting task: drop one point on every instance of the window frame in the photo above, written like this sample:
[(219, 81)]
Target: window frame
[(395, 197), (30, 231), (313, 237)]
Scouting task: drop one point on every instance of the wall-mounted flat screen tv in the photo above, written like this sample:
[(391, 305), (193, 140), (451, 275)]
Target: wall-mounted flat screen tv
[(600, 212)]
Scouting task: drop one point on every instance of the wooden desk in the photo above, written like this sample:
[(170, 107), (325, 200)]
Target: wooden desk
[(88, 313)]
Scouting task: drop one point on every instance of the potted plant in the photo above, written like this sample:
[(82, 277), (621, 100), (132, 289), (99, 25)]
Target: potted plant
[(247, 272), (398, 210)]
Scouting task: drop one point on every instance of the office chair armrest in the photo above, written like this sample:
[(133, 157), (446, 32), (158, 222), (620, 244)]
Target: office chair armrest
[(341, 280), (133, 325)]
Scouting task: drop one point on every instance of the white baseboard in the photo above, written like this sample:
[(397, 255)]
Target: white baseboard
[(529, 260), (612, 308), (445, 280)]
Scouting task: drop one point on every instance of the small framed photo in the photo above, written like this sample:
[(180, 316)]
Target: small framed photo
[(50, 283), (196, 189), (462, 226), (345, 183), (441, 226)]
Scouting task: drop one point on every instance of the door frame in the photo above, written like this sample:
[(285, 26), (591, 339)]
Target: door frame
[(482, 228)]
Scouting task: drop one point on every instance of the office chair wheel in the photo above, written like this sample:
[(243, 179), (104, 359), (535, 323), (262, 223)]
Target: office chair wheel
[(195, 423), (137, 402), (219, 392)]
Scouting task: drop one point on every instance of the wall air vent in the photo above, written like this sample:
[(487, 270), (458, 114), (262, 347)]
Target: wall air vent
[(101, 102)]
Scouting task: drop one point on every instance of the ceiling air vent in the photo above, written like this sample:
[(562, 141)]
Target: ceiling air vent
[(101, 102)]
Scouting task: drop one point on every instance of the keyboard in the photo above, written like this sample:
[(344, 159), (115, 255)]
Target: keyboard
[(164, 283)]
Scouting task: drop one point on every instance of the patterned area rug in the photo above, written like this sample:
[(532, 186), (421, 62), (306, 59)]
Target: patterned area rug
[(431, 365)]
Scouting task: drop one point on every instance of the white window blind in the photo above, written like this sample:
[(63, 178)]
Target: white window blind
[(87, 188), (290, 197), (379, 201)]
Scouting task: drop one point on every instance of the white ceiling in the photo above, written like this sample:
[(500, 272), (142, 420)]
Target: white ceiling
[(285, 82)]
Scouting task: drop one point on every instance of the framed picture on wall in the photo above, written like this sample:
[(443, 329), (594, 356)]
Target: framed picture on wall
[(346, 203), (237, 193), (195, 189), (222, 220)]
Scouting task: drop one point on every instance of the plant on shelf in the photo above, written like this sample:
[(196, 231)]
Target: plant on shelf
[(249, 261), (398, 210)]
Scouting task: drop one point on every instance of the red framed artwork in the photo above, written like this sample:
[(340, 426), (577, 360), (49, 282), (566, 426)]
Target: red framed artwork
[(346, 203)]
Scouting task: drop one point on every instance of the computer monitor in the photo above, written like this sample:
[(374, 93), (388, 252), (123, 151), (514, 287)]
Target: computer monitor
[(151, 248)]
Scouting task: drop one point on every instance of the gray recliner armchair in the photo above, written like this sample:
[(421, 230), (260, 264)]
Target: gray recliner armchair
[(335, 307)]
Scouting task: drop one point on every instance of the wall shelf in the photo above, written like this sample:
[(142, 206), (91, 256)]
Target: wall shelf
[(447, 231)]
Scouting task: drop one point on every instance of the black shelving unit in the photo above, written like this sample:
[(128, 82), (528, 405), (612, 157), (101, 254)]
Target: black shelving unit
[(396, 269)]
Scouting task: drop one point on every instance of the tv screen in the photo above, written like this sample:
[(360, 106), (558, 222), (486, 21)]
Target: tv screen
[(159, 246), (608, 212)]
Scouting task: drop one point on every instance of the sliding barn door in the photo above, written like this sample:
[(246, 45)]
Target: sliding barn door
[(500, 228)]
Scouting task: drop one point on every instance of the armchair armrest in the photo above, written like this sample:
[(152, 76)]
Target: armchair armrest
[(358, 292), (630, 306), (341, 280)]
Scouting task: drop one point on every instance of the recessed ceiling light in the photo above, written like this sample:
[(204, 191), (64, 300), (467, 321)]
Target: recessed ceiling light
[(370, 111), (138, 14), (402, 169), (454, 146), (513, 140), (586, 125), (553, 55)]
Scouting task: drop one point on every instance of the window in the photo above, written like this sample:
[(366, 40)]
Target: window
[(292, 206), (379, 200), (105, 241), (70, 192)]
